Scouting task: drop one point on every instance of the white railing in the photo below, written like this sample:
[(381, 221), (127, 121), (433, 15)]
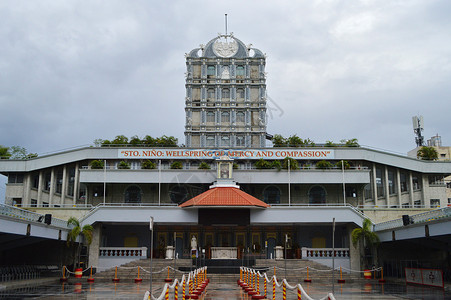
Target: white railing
[(123, 252), (22, 214), (324, 252), (428, 216)]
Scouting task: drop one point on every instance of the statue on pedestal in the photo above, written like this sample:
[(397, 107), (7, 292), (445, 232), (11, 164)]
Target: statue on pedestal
[(193, 243)]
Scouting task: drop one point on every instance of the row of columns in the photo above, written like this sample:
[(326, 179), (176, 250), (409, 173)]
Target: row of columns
[(26, 200), (398, 188)]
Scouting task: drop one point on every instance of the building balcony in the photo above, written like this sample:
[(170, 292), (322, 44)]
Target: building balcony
[(252, 176)]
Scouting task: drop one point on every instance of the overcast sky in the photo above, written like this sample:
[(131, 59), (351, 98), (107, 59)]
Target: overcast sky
[(75, 71)]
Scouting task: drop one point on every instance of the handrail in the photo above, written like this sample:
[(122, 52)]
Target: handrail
[(441, 213), (22, 214)]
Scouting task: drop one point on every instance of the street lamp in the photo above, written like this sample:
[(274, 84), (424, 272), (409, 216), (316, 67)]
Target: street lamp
[(151, 251)]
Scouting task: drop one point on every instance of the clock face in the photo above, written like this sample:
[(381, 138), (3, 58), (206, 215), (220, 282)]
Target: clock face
[(225, 48)]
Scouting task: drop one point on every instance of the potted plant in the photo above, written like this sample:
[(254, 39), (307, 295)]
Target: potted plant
[(147, 164), (177, 165), (123, 165), (96, 164), (204, 166)]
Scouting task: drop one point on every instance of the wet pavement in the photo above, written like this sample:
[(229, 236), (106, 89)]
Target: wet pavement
[(219, 291)]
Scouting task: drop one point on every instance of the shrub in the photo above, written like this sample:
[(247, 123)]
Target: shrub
[(342, 163), (204, 166), (96, 164), (147, 164), (263, 164), (324, 164), (123, 165), (293, 163), (177, 165), (277, 165)]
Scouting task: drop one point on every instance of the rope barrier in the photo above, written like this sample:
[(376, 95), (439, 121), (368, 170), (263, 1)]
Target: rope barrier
[(283, 283), (198, 273)]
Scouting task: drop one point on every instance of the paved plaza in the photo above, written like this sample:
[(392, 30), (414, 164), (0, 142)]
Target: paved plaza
[(217, 291)]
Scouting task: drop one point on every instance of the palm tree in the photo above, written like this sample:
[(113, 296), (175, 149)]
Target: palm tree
[(367, 239), (75, 232), (427, 153)]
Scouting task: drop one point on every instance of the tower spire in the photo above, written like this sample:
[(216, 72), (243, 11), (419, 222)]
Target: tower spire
[(226, 24)]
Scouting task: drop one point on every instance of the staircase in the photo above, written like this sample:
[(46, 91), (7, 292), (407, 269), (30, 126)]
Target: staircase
[(129, 271), (297, 270)]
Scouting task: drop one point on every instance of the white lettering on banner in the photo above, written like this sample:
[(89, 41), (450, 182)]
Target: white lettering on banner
[(232, 153)]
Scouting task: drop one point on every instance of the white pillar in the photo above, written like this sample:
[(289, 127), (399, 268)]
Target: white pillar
[(40, 185), (76, 183), (52, 187), (374, 184), (398, 186), (64, 186)]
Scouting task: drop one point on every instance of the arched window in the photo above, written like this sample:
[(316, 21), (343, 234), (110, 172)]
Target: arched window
[(239, 71), (210, 117), (225, 117), (240, 117), (133, 194), (211, 71), (317, 195), (225, 93), (211, 93), (225, 141), (178, 194), (271, 195), (240, 94)]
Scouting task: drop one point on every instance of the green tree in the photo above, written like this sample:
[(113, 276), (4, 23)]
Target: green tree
[(74, 233), (4, 152), (309, 143), (427, 153), (167, 141), (149, 141), (120, 140), (350, 143), (279, 141), (135, 141), (330, 144), (368, 241), (18, 152), (276, 164), (295, 141)]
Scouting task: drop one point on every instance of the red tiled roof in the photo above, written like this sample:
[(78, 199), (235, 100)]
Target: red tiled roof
[(224, 196)]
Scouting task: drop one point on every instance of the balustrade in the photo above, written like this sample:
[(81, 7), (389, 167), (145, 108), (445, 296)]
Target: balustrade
[(325, 252), (123, 252)]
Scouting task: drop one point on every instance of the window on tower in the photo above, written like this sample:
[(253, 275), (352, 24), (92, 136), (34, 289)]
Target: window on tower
[(225, 93), (225, 117), (240, 71), (211, 71), (240, 117), (225, 141), (210, 117), (240, 140), (211, 93), (210, 140), (240, 93)]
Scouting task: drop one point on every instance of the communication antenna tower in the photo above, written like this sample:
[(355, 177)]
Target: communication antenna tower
[(418, 127)]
